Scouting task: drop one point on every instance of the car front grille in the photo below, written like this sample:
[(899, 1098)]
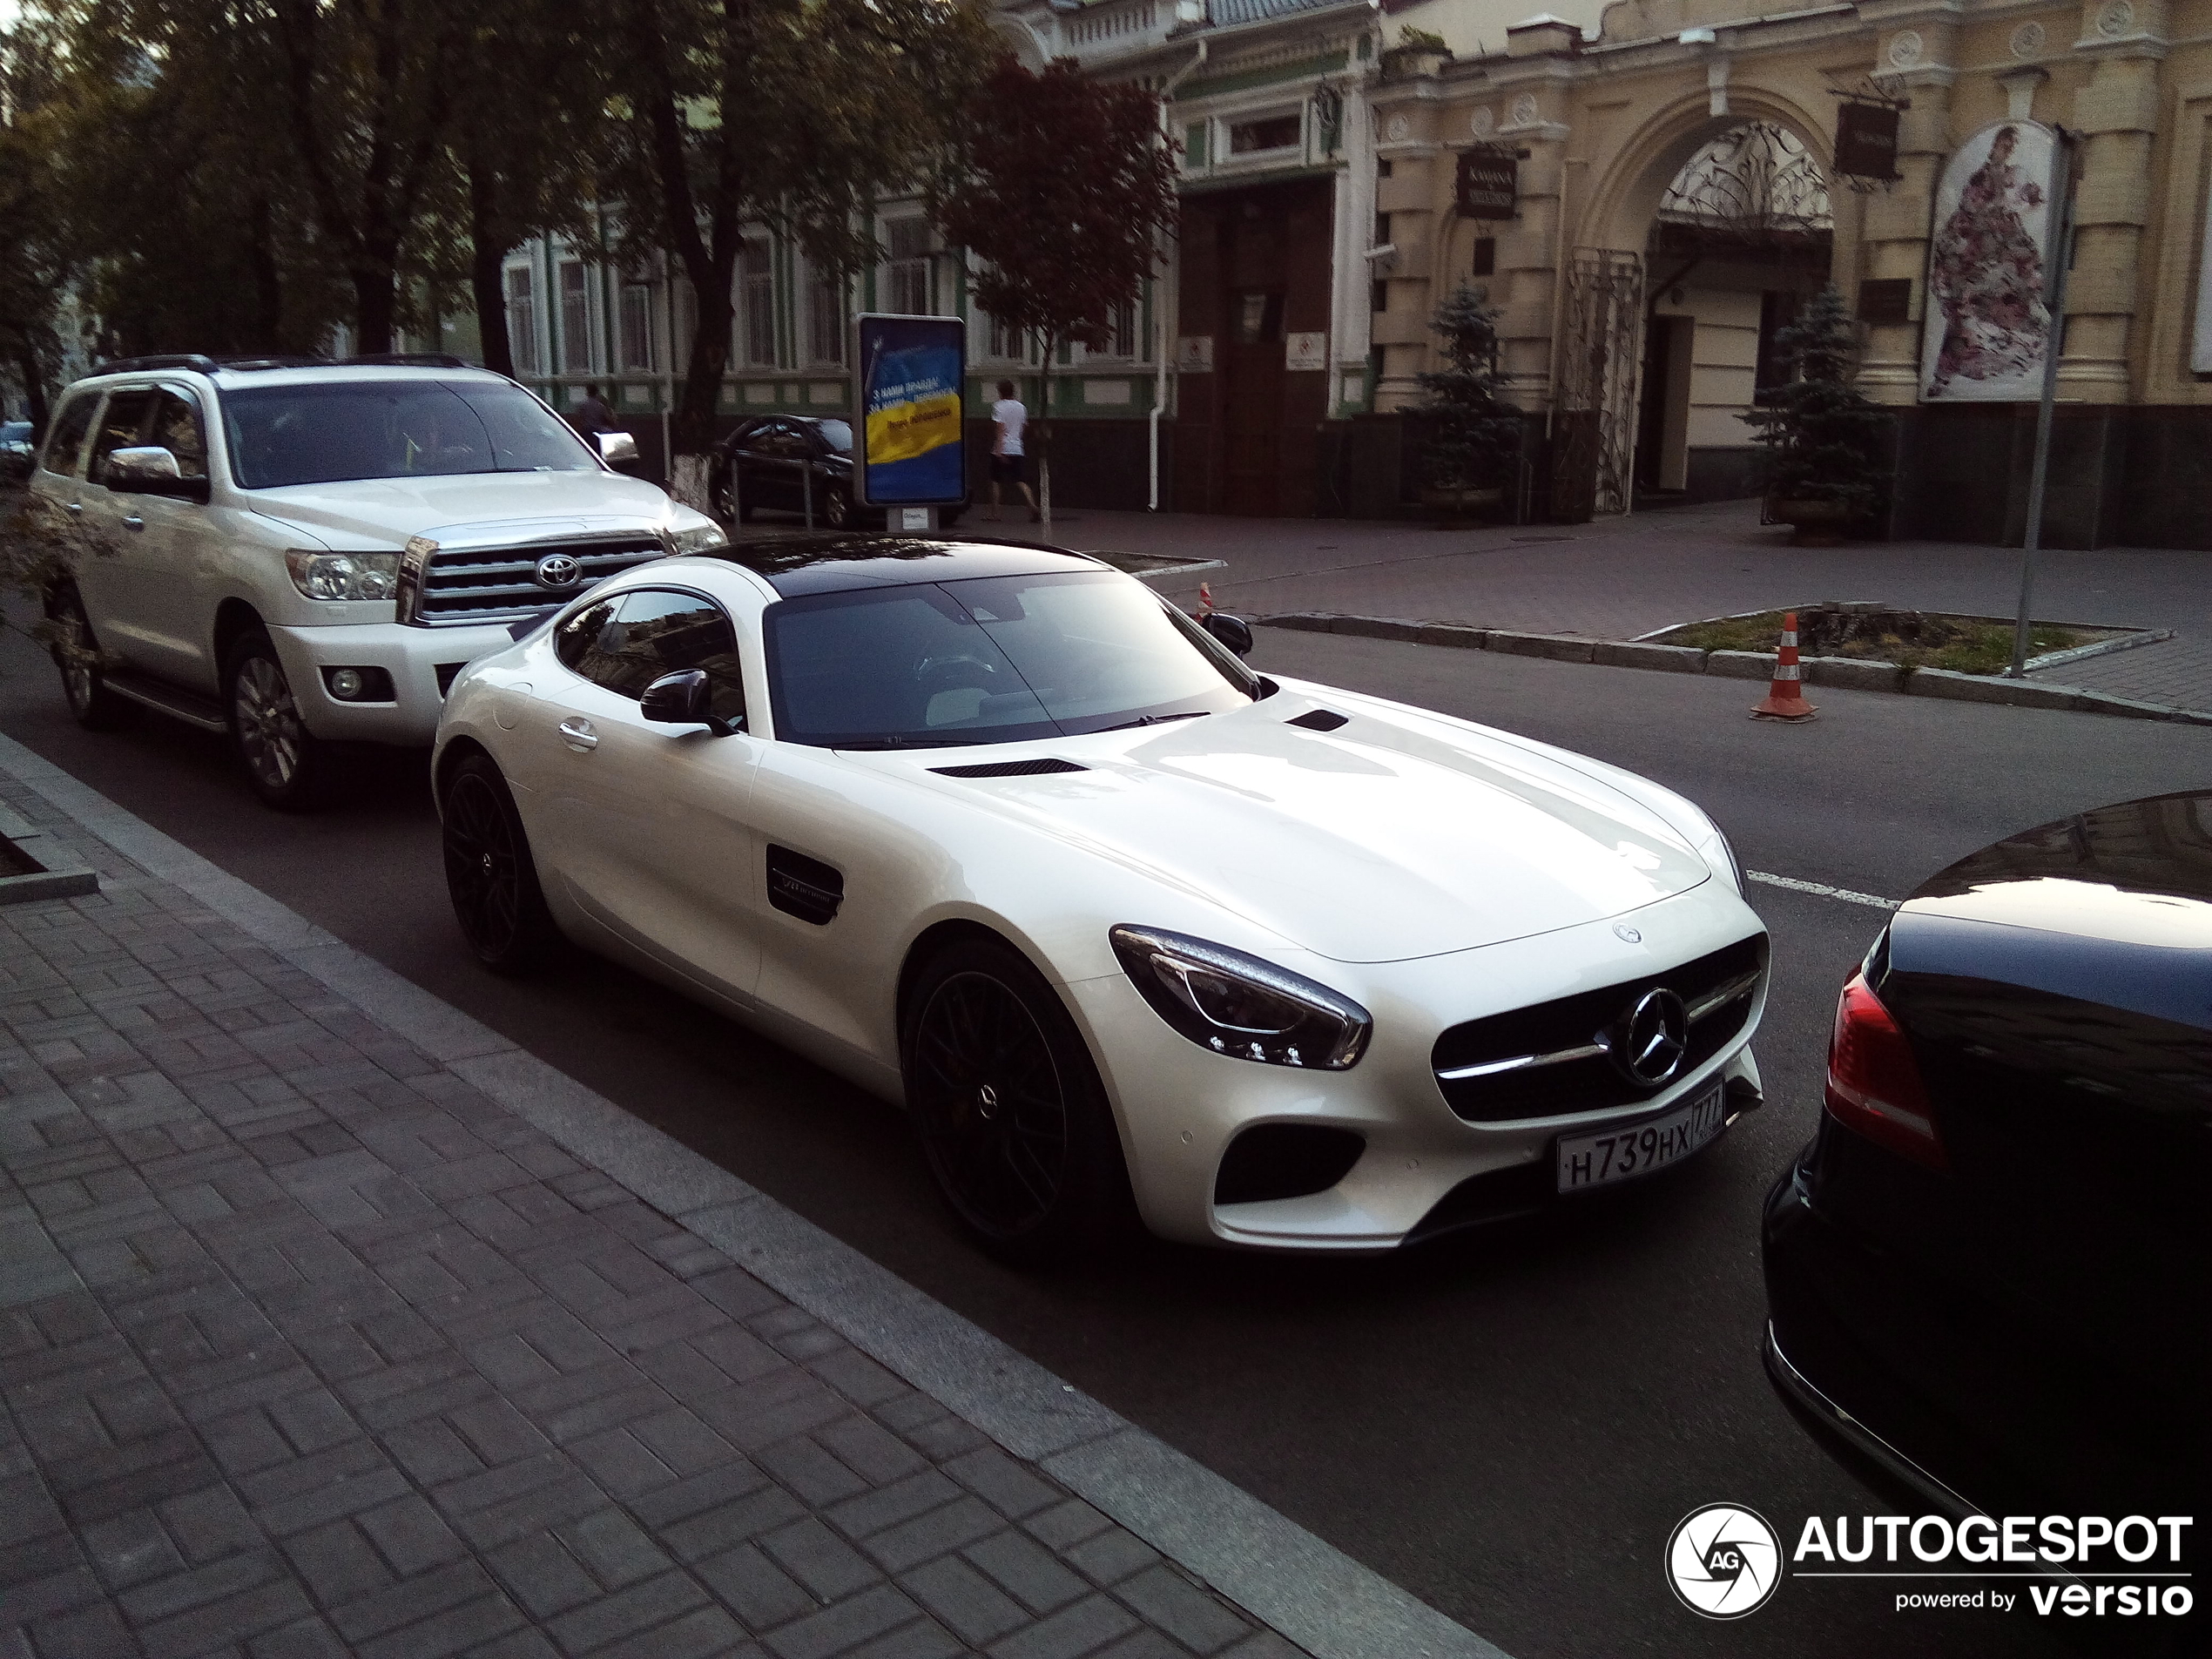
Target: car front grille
[(497, 584), (1549, 1060)]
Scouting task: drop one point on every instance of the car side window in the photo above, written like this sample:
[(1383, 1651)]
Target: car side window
[(628, 644), (125, 417), (65, 443), (177, 428), (776, 440)]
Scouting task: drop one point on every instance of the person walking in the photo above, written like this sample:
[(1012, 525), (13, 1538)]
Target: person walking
[(592, 415), (1009, 416)]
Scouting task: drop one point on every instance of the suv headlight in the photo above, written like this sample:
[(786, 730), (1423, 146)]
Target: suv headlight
[(344, 575), (1239, 1006), (700, 538)]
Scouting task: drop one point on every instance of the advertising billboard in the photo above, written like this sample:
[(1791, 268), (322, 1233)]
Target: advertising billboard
[(913, 449)]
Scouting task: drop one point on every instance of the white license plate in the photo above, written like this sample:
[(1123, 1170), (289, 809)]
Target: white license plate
[(1586, 1161)]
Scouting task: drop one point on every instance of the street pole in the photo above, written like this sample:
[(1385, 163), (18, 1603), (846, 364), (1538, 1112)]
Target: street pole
[(2060, 256), (668, 367)]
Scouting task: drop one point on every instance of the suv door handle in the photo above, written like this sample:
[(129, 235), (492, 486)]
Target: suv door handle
[(134, 522), (577, 733), (73, 508)]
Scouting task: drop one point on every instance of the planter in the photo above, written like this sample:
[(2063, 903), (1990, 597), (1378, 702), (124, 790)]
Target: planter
[(1816, 524), (1462, 500)]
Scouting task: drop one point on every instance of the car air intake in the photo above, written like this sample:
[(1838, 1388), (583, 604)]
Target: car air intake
[(1285, 1161), (1009, 769), (1320, 720), (1548, 1061)]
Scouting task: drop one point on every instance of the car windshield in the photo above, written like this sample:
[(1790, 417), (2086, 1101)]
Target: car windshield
[(837, 434), (19, 432), (993, 659), (324, 434)]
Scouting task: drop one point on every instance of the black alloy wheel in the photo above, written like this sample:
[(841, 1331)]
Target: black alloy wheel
[(489, 873), (76, 655), (1013, 1122), (286, 765), (837, 506), (729, 506)]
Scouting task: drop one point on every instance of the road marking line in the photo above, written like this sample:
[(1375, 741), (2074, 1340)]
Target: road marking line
[(1821, 890)]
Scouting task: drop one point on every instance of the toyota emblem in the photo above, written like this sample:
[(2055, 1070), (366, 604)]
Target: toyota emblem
[(558, 570), (1649, 1041)]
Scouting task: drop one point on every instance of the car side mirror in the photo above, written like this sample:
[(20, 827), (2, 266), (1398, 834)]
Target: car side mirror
[(1232, 631), (616, 448), (686, 697), (149, 469)]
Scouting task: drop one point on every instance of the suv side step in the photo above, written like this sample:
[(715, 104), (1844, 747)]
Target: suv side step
[(188, 706)]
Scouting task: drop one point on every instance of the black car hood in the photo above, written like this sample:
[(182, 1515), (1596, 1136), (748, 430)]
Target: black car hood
[(2113, 905)]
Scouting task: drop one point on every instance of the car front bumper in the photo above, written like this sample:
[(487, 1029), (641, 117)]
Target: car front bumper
[(1424, 1169), (421, 662)]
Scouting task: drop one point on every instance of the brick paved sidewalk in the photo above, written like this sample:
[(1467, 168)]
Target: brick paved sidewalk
[(308, 1347)]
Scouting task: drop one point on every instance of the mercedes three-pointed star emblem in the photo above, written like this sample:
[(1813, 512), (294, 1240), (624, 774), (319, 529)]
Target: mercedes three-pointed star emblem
[(1650, 1039)]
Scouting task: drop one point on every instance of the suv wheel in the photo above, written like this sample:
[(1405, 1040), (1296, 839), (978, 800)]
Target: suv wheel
[(76, 653), (284, 761)]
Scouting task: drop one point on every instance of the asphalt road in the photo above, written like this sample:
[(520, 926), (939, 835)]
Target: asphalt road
[(1509, 1424)]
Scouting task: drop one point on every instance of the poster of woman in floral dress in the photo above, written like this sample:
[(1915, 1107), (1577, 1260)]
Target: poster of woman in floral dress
[(1987, 327)]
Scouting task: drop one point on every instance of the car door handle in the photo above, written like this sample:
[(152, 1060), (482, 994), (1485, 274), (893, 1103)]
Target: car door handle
[(578, 735), (73, 509), (134, 522)]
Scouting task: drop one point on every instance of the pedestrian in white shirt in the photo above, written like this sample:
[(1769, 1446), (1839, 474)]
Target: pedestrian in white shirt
[(1009, 416)]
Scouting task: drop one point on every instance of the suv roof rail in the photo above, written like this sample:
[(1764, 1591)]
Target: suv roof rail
[(191, 359), (249, 364), (408, 359)]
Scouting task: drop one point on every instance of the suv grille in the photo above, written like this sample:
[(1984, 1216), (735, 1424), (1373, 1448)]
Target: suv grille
[(480, 584), (1546, 1061)]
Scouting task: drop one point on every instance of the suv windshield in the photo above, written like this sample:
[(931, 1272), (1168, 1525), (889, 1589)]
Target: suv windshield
[(323, 433), (994, 659)]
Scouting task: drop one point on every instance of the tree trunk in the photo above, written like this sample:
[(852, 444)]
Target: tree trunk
[(488, 275), (268, 283), (699, 402), (375, 305), (34, 388)]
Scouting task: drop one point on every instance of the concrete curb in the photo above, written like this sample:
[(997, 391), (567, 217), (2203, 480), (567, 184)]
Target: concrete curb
[(1284, 1575), (1848, 673)]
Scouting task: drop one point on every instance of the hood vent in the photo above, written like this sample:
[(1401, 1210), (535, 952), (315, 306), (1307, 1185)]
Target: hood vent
[(1320, 720), (1009, 768)]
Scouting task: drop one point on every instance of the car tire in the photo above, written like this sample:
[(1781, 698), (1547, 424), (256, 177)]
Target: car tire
[(288, 765), (1012, 1118), (91, 702), (728, 506), (490, 874)]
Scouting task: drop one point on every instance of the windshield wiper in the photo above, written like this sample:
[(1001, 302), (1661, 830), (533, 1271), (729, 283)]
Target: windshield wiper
[(917, 742), (1157, 719)]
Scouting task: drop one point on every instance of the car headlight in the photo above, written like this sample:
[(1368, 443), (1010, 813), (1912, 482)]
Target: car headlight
[(344, 575), (700, 538), (1239, 1006), (1718, 844)]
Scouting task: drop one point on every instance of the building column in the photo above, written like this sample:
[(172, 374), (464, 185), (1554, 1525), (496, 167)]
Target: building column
[(1912, 59), (2117, 112)]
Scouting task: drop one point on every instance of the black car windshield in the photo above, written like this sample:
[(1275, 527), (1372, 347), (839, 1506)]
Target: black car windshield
[(837, 434), (323, 433), (991, 659)]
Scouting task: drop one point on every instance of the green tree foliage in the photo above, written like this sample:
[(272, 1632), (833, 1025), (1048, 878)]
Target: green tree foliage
[(1062, 187), (1823, 440), (34, 259), (794, 114), (1475, 438)]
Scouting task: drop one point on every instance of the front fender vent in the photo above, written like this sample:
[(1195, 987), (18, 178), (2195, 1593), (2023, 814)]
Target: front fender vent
[(1285, 1161), (1009, 768), (803, 887)]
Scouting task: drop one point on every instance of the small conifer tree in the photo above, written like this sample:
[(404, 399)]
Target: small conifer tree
[(1475, 437), (1824, 440)]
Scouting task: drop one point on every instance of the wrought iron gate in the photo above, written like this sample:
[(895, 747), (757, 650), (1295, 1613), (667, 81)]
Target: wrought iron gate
[(1594, 432)]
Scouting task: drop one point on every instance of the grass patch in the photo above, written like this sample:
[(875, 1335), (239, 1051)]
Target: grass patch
[(1963, 644)]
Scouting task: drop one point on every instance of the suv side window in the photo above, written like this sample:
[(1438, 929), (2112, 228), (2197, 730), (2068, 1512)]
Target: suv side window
[(177, 428), (652, 631), (119, 427), (65, 442)]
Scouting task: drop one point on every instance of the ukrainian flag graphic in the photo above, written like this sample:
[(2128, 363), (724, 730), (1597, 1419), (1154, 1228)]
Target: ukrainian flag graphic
[(913, 428)]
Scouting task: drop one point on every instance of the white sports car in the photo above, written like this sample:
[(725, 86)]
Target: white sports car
[(998, 834)]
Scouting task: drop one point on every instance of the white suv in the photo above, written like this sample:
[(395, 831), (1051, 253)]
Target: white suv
[(299, 554)]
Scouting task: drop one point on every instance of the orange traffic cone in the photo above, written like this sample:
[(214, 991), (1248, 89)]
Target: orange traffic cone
[(1785, 698), (1205, 600)]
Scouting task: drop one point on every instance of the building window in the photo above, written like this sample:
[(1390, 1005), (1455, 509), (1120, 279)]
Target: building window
[(1382, 169), (906, 276), (1269, 132), (521, 320), (1122, 331), (637, 353), (757, 292), (825, 318), (1378, 296), (1382, 231), (576, 320), (1486, 256)]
